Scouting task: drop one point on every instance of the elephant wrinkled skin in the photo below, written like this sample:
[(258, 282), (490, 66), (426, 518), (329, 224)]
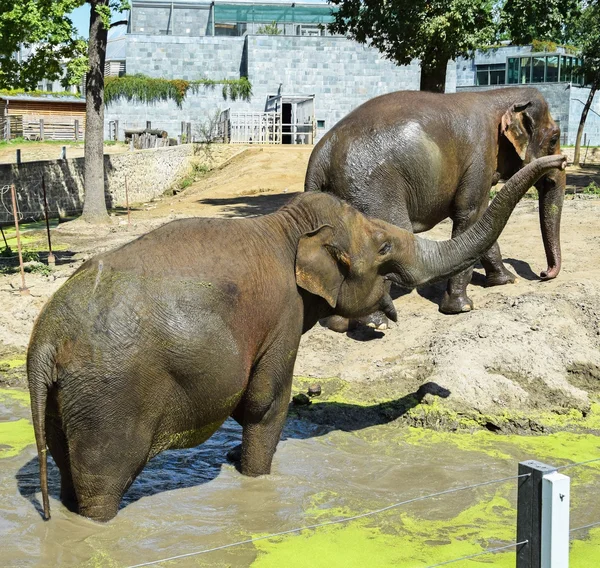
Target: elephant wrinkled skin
[(153, 345), (416, 158)]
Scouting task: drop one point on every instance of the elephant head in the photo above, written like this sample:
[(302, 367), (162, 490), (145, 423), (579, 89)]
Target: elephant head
[(348, 258), (529, 132)]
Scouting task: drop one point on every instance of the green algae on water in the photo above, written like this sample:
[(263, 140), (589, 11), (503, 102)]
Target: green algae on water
[(17, 395), (15, 436)]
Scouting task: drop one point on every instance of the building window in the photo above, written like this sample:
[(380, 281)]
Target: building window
[(552, 69), (320, 124), (543, 69), (491, 74)]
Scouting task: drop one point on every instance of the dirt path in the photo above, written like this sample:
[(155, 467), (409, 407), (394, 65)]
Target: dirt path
[(529, 347)]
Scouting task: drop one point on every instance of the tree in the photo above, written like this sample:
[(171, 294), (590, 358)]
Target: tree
[(94, 204), (434, 31), (588, 38), (41, 25), (45, 25), (526, 21)]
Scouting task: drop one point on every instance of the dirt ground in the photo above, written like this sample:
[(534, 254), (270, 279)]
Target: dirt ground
[(37, 151), (528, 347)]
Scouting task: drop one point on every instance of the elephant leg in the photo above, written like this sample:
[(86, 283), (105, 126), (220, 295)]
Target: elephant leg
[(234, 455), (455, 300), (266, 408), (105, 461), (496, 273), (59, 449)]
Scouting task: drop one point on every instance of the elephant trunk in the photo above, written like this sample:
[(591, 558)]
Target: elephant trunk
[(424, 261), (552, 194)]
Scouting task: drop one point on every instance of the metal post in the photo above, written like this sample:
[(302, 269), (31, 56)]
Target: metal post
[(556, 496), (127, 203), (529, 513), (63, 153), (51, 259), (24, 290), (18, 156)]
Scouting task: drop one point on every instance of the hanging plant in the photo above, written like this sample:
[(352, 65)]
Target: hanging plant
[(149, 90)]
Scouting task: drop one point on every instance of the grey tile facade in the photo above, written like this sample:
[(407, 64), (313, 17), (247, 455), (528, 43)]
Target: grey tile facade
[(340, 73)]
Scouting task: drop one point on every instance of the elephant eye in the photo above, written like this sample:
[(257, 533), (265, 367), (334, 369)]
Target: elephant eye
[(385, 248)]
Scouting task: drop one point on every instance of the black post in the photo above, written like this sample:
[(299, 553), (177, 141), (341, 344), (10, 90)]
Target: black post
[(51, 259), (529, 513)]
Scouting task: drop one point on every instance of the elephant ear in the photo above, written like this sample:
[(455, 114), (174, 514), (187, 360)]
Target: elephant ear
[(517, 126), (321, 266)]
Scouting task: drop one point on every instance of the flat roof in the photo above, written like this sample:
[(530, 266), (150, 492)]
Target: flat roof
[(44, 99)]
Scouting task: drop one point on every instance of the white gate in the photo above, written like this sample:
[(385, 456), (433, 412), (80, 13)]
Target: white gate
[(254, 127)]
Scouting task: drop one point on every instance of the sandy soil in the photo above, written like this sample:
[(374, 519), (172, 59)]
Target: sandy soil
[(526, 347), (37, 151)]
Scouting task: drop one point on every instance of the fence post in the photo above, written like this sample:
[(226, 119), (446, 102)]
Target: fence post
[(23, 289), (41, 128), (76, 127), (63, 153), (556, 496), (51, 258), (529, 513), (18, 156)]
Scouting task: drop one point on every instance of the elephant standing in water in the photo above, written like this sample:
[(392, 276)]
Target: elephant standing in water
[(153, 345), (416, 158)]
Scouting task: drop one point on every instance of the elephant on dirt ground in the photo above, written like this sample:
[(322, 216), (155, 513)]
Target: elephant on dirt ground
[(415, 158), (153, 345)]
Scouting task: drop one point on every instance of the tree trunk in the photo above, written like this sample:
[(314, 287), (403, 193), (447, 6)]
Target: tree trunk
[(433, 77), (584, 114), (94, 203)]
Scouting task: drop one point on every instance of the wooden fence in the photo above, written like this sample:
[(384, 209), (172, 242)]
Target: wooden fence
[(33, 127)]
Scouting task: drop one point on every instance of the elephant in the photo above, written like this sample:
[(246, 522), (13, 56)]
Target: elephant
[(415, 158), (155, 344)]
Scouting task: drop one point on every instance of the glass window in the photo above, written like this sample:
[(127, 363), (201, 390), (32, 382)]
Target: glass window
[(491, 74), (525, 70), (539, 68), (483, 77), (497, 74), (552, 69), (566, 68), (513, 70)]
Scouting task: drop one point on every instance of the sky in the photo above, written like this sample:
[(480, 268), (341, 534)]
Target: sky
[(81, 19)]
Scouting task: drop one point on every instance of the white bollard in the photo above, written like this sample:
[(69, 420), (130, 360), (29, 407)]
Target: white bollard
[(555, 520)]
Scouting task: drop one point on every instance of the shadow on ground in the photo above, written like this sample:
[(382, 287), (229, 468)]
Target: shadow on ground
[(249, 205), (176, 469)]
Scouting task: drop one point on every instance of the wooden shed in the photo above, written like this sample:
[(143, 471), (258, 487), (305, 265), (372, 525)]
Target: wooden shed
[(42, 118)]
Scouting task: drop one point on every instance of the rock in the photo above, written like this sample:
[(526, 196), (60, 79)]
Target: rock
[(314, 390), (301, 400)]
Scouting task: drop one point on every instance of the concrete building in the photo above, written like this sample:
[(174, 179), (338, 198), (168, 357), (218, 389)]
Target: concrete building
[(307, 77)]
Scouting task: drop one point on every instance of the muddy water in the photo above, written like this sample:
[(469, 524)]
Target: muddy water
[(190, 500)]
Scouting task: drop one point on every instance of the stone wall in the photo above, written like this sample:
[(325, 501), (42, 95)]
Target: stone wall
[(341, 74), (149, 173), (586, 156), (578, 98)]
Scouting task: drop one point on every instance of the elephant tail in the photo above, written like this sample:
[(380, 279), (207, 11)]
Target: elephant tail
[(40, 370)]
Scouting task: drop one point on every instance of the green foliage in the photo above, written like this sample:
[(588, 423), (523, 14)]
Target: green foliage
[(149, 90), (269, 29), (592, 189), (527, 21), (587, 36), (36, 93), (432, 30), (538, 45)]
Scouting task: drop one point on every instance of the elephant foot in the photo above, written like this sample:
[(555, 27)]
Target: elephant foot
[(338, 324), (235, 454), (377, 321), (500, 278), (456, 304)]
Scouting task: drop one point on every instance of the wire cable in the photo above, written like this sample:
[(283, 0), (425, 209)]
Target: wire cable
[(334, 522), (585, 527), (577, 464), (489, 551)]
